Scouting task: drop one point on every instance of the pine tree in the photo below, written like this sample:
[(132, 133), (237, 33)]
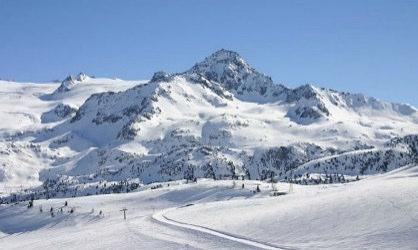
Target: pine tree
[(30, 205)]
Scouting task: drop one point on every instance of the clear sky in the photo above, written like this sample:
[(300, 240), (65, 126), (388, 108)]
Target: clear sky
[(359, 46)]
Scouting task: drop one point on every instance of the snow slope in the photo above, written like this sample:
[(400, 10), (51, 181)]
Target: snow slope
[(378, 212), (375, 213), (28, 108)]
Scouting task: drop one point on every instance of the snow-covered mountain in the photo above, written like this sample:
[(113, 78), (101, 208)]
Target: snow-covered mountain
[(221, 118)]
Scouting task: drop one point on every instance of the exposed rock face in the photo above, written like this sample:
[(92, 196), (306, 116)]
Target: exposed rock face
[(161, 76), (234, 74), (309, 105), (68, 83), (60, 112), (121, 112)]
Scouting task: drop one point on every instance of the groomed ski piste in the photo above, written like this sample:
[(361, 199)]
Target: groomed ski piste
[(376, 212)]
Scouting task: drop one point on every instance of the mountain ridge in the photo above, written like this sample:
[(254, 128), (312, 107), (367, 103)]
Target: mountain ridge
[(219, 119)]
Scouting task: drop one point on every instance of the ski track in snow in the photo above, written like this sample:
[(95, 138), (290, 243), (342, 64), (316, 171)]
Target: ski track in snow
[(162, 217), (181, 237)]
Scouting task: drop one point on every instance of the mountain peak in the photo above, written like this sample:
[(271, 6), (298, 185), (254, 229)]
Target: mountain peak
[(70, 81), (222, 60), (161, 76), (81, 77), (230, 70), (225, 55)]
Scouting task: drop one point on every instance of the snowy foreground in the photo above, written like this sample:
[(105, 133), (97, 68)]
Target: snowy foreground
[(379, 212)]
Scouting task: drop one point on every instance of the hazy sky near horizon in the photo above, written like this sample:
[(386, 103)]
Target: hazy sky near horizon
[(358, 46)]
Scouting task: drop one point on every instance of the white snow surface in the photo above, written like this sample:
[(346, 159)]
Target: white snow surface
[(378, 212), (23, 105)]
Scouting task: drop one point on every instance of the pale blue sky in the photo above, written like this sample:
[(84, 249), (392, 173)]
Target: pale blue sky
[(358, 46)]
